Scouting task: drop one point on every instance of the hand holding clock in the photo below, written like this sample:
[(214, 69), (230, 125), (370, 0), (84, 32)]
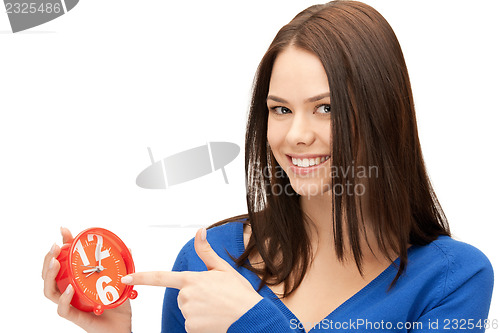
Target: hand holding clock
[(210, 301), (113, 320)]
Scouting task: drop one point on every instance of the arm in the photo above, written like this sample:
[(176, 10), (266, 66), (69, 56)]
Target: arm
[(264, 317), (218, 297), (208, 293)]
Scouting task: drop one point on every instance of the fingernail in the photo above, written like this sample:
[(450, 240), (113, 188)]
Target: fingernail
[(127, 279), (203, 234), (61, 230), (52, 262), (68, 289), (53, 248)]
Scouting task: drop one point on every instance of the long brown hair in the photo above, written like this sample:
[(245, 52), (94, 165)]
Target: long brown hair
[(373, 124)]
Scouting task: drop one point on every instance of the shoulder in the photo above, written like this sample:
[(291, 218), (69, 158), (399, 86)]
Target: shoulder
[(455, 264), (464, 261), (455, 254), (225, 239)]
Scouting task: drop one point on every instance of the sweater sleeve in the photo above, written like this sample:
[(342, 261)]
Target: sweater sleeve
[(264, 317), (172, 318), (465, 297)]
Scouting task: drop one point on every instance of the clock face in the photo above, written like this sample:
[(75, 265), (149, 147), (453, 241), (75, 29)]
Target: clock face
[(97, 267)]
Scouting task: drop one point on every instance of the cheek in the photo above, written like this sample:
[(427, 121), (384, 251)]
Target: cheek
[(276, 133), (325, 133)]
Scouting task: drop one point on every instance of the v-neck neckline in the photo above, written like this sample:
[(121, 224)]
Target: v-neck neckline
[(240, 248)]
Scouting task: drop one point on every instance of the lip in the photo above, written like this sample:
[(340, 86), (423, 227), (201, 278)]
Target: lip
[(307, 155), (305, 170)]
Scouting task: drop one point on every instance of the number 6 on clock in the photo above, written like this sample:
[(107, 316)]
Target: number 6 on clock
[(108, 294)]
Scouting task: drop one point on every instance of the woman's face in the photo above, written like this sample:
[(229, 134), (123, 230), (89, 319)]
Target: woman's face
[(299, 124)]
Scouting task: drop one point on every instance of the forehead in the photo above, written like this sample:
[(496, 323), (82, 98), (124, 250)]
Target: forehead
[(298, 73)]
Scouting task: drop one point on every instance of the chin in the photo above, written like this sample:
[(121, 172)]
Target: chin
[(311, 188)]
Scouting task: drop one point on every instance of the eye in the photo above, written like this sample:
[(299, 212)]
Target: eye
[(279, 110), (325, 108)]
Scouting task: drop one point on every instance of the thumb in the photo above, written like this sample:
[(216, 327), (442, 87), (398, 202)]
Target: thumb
[(207, 254)]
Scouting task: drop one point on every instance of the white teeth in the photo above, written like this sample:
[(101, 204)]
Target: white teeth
[(307, 162)]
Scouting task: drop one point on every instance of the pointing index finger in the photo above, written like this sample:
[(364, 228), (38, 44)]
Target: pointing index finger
[(175, 280)]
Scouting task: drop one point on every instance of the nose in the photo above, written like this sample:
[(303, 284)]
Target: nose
[(301, 130)]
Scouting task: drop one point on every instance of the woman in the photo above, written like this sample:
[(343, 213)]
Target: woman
[(344, 232)]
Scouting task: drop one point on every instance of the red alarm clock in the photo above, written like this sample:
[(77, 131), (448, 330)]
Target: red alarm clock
[(94, 263)]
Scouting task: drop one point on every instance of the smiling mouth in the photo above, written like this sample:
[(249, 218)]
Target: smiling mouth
[(308, 162)]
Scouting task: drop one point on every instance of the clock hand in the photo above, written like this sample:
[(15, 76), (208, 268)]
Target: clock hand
[(93, 268), (98, 268), (98, 257), (92, 271), (98, 249)]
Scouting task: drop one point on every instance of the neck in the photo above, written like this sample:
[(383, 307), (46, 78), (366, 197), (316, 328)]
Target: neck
[(320, 228), (319, 210)]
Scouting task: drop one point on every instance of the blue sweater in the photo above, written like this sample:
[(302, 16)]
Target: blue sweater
[(447, 287)]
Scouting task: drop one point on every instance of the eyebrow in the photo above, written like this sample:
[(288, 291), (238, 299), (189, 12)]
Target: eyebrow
[(309, 100)]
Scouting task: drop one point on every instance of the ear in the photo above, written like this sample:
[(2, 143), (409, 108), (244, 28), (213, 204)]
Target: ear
[(207, 254)]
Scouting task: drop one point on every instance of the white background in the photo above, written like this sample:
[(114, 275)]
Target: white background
[(83, 96)]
